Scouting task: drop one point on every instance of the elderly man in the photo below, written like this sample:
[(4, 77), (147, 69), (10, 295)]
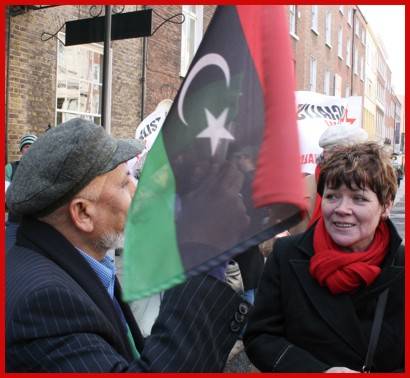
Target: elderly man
[(64, 311)]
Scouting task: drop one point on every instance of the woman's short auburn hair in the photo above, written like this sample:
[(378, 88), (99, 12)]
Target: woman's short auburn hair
[(359, 166)]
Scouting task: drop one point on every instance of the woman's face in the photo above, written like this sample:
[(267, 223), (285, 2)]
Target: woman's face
[(352, 216)]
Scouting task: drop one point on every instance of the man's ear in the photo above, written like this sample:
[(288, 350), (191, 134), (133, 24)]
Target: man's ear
[(82, 213)]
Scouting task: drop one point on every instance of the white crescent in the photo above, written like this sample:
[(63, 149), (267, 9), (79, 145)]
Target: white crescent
[(207, 60)]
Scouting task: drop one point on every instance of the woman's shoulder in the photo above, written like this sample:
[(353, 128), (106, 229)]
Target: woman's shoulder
[(399, 256), (294, 246)]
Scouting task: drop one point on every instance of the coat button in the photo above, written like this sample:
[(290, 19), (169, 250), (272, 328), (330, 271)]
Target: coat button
[(235, 327), (239, 317), (243, 308)]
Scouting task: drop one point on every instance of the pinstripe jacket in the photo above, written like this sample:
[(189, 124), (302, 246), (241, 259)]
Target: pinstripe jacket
[(60, 318)]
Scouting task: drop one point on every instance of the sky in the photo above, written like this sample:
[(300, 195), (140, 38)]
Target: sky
[(387, 21)]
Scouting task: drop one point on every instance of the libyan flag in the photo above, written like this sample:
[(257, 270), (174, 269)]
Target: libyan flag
[(191, 211)]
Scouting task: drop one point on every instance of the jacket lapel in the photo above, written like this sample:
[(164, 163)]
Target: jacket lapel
[(129, 317), (337, 311), (47, 241)]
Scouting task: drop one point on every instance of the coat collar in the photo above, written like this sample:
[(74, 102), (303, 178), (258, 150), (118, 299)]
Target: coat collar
[(47, 241), (338, 310)]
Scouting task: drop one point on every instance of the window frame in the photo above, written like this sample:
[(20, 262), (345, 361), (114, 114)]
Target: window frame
[(314, 24), (94, 117), (198, 19), (312, 74), (328, 29), (293, 15)]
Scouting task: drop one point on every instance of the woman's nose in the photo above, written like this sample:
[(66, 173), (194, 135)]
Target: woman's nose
[(344, 206)]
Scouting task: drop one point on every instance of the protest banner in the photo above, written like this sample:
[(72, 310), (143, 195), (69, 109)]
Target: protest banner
[(315, 113)]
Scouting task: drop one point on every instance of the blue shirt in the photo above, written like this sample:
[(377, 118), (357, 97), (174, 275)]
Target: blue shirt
[(105, 270)]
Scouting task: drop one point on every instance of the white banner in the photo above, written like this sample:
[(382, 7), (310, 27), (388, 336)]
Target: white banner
[(315, 113), (148, 131)]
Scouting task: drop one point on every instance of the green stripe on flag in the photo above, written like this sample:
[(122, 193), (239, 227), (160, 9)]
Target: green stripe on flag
[(152, 260)]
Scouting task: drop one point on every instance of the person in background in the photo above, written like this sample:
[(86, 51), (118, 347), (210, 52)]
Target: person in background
[(319, 291), (251, 261), (339, 135), (13, 220), (64, 311)]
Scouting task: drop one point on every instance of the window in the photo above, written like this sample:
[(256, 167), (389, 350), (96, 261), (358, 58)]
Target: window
[(357, 31), (326, 85), (348, 52), (79, 81), (362, 68), (292, 19), (356, 62), (191, 36), (350, 16), (341, 9), (380, 92), (315, 15), (313, 74), (369, 87), (364, 36), (347, 92), (340, 43), (337, 86), (328, 29)]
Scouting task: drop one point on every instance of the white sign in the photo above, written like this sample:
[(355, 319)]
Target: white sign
[(149, 128), (315, 113), (147, 131)]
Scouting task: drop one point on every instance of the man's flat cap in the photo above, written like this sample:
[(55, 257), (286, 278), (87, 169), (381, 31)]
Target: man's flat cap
[(62, 162)]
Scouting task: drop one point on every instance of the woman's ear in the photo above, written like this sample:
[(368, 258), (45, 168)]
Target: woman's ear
[(387, 210), (82, 213)]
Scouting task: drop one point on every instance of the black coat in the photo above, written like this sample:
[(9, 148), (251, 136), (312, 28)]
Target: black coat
[(299, 326), (60, 318)]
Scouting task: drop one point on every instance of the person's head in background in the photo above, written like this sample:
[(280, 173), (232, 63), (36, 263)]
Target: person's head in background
[(246, 158), (25, 143), (341, 135)]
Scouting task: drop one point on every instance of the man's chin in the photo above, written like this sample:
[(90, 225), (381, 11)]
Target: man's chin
[(111, 241)]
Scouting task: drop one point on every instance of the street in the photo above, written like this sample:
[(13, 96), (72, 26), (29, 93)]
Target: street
[(398, 211)]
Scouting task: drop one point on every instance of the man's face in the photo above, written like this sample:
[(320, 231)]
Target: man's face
[(25, 148), (112, 207)]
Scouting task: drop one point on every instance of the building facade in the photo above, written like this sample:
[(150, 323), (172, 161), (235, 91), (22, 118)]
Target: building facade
[(329, 48), (335, 53), (48, 82)]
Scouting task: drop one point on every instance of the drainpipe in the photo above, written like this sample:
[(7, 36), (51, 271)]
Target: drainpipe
[(7, 80), (106, 87), (143, 73), (352, 62)]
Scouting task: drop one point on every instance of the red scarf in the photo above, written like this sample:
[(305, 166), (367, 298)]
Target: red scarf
[(344, 271)]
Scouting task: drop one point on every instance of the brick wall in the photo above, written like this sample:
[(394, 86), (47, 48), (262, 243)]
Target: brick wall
[(32, 71), (309, 43)]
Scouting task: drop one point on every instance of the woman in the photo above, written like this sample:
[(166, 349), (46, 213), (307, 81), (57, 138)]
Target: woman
[(317, 297)]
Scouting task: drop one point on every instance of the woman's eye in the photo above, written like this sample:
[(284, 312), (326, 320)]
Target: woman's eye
[(330, 196)]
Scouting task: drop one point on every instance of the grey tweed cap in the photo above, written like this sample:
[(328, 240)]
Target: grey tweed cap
[(62, 162)]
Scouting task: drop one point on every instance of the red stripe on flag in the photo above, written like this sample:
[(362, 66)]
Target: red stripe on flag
[(278, 176)]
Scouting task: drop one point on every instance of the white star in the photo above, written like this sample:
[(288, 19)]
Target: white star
[(216, 129)]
